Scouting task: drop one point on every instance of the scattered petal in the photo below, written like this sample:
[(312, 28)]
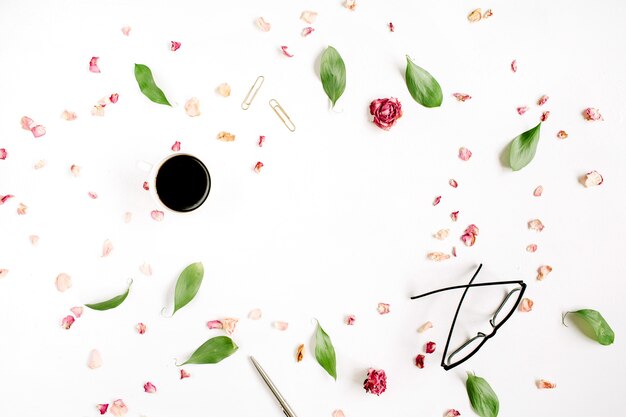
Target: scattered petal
[(376, 382), (309, 16), (437, 200), (532, 248), (535, 225), (97, 110), (126, 30), (229, 325), (287, 54), (128, 216), (38, 131), (419, 361), (488, 13), (475, 15), (257, 167), (438, 256), (307, 31), (543, 384), (77, 311), (113, 98), (430, 347), (157, 215), (454, 216), (119, 409), (3, 154), (280, 325), (215, 324), (67, 322), (465, 154), (95, 360), (261, 141), (469, 236), (452, 413), (538, 191), (149, 388), (21, 209), (424, 327), (545, 115), (102, 408), (4, 273), (68, 115), (146, 269), (27, 123), (255, 314), (300, 353), (263, 25), (350, 320), (223, 90), (92, 195), (34, 240), (184, 374), (453, 251), (453, 183), (383, 308), (93, 64), (225, 137), (592, 114), (107, 247), (63, 282), (174, 46), (462, 97), (543, 272), (442, 234), (514, 65), (562, 134), (350, 4), (543, 100), (192, 107), (146, 186), (338, 413), (4, 198), (141, 328), (592, 179), (522, 110), (40, 164), (75, 170), (526, 305), (391, 27), (176, 146)]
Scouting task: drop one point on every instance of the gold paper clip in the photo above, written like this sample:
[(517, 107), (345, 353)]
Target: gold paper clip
[(252, 93), (282, 114)]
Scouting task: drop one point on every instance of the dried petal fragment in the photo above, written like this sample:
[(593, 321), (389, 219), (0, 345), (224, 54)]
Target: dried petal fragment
[(146, 269), (149, 388), (543, 384), (157, 215), (592, 114), (3, 154), (4, 273), (176, 146), (141, 328), (307, 31), (545, 115), (27, 123), (63, 282), (475, 15), (592, 179), (488, 13), (95, 360), (128, 216), (514, 65), (113, 98), (350, 320), (126, 30), (452, 413), (229, 325), (438, 256), (4, 198), (543, 100), (287, 54), (223, 90), (263, 25), (67, 322), (442, 234), (376, 382), (453, 183), (350, 4), (383, 308), (257, 167), (437, 200), (538, 191), (300, 353), (38, 131), (453, 251), (119, 409), (21, 209), (532, 248), (465, 154), (225, 137), (261, 141), (97, 110), (192, 107), (93, 64), (462, 97), (391, 27), (430, 347), (424, 327), (338, 413), (174, 45), (419, 361), (562, 134), (280, 325), (34, 240), (107, 247), (146, 186), (308, 16), (255, 314), (68, 115), (75, 170), (92, 195), (454, 216), (77, 311), (184, 374), (469, 236), (215, 324), (522, 110), (543, 272), (535, 225), (526, 305), (102, 408)]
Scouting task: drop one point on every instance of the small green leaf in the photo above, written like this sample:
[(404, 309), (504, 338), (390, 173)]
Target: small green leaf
[(484, 401), (112, 303), (597, 328), (325, 352), (148, 87), (188, 285), (522, 149), (423, 87), (333, 74), (213, 350)]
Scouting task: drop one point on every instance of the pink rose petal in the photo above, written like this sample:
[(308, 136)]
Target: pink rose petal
[(102, 408), (192, 107), (465, 154), (176, 146), (34, 240), (532, 248), (263, 25), (454, 216), (146, 269), (4, 273), (128, 216), (157, 215), (38, 131), (376, 382), (280, 325), (514, 66), (543, 272), (21, 209), (438, 256), (462, 97), (535, 225), (68, 115), (258, 166), (452, 413), (75, 170), (350, 320), (287, 54), (437, 200), (113, 98), (174, 45), (261, 141), (543, 100), (255, 314), (538, 191), (469, 236), (338, 413), (424, 327), (526, 305), (126, 30), (4, 198), (3, 154), (67, 322), (229, 325), (119, 409), (453, 183), (383, 308), (141, 328), (309, 16), (92, 195), (27, 123), (184, 374), (430, 347), (307, 31), (215, 324), (77, 311), (146, 186), (592, 114), (107, 247), (419, 361), (392, 28), (545, 115), (149, 388), (95, 360), (522, 110), (543, 384), (592, 179), (63, 282), (93, 64)]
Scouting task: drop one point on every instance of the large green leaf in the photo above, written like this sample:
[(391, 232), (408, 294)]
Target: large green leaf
[(484, 401), (423, 87), (325, 352), (148, 87), (594, 325), (111, 303), (522, 149), (213, 350), (333, 74), (188, 285)]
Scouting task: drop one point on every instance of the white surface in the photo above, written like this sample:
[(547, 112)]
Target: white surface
[(341, 217)]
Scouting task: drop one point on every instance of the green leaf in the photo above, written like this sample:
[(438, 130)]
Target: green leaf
[(423, 87), (148, 87), (188, 285), (593, 325), (112, 303), (522, 149), (325, 352), (484, 401), (333, 74), (213, 350)]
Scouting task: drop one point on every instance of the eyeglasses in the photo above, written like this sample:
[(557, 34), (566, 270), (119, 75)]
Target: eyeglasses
[(469, 348)]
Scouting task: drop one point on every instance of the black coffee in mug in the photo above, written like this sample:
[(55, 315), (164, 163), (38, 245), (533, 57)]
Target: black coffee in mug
[(183, 183)]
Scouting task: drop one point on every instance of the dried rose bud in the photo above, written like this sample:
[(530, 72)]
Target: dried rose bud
[(224, 89), (545, 115), (543, 100), (157, 215), (102, 408), (538, 191), (285, 52), (258, 166), (386, 112), (487, 14), (383, 308), (300, 353), (535, 225), (280, 325), (63, 282), (255, 314), (562, 134), (424, 327), (465, 154), (522, 110), (77, 311), (261, 141), (430, 347), (452, 413), (532, 248), (514, 65), (308, 16), (592, 179), (263, 25), (438, 256), (149, 388), (176, 146), (174, 45), (453, 183), (192, 107), (462, 97), (350, 320), (437, 200), (592, 114), (376, 382), (543, 272), (225, 137), (475, 15), (119, 409), (391, 27), (184, 374), (95, 360), (454, 216), (442, 234), (67, 322), (526, 305), (141, 328), (419, 361), (543, 384)]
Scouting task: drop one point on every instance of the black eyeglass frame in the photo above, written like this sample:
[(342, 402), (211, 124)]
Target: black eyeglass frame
[(445, 364)]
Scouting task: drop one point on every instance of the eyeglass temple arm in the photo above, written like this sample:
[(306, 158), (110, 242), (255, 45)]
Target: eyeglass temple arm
[(456, 287)]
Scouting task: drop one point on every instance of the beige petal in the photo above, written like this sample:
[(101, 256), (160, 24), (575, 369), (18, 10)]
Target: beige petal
[(63, 282)]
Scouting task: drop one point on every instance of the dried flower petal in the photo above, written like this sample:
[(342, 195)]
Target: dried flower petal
[(102, 408), (308, 16), (453, 251), (454, 216), (27, 123), (452, 413), (488, 13), (376, 382), (419, 361), (77, 311), (21, 209), (4, 273), (538, 191), (40, 164), (215, 324), (75, 170), (307, 31), (437, 200), (469, 236), (4, 198), (119, 409), (300, 353), (391, 27), (93, 64), (350, 4), (113, 98), (383, 308), (146, 186), (263, 25), (462, 97), (543, 384), (149, 388), (3, 154), (535, 225), (255, 314), (465, 154), (229, 325), (475, 15), (95, 360), (424, 327), (592, 114), (430, 347), (453, 183), (128, 216), (261, 141), (174, 45), (157, 215), (68, 115), (92, 195), (514, 65), (192, 107), (223, 90), (184, 374), (545, 115), (438, 256), (350, 320), (257, 167), (522, 110), (543, 100), (34, 240), (146, 269), (63, 282), (67, 322), (97, 110), (592, 179), (543, 272), (176, 146), (442, 234), (38, 131), (338, 413), (287, 54), (532, 248), (107, 247), (141, 328), (562, 134), (280, 325), (225, 137), (126, 30), (526, 305)]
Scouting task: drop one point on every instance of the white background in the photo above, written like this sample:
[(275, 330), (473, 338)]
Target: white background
[(340, 219)]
